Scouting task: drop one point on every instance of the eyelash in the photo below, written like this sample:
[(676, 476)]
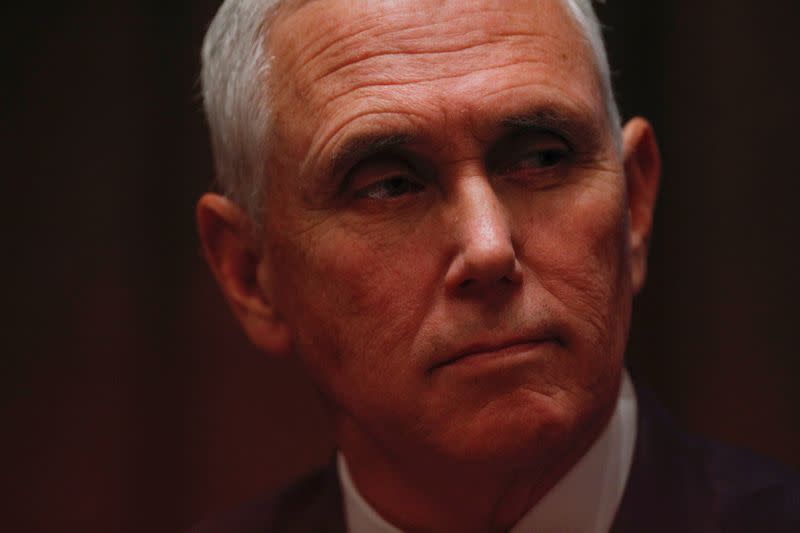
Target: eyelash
[(394, 180), (559, 154)]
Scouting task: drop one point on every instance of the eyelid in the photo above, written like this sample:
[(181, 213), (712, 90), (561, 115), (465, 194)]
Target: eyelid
[(546, 136), (511, 147), (536, 137), (375, 187), (564, 138), (379, 169)]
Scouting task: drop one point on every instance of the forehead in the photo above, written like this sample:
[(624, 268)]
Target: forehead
[(339, 63)]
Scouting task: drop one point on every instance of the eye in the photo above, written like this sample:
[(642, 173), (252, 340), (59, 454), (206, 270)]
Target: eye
[(529, 152), (543, 158), (391, 187)]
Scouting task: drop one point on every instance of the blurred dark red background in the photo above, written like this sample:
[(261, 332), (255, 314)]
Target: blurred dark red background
[(130, 401)]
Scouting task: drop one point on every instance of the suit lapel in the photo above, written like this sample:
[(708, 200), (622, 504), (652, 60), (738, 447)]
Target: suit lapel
[(667, 489), (314, 505)]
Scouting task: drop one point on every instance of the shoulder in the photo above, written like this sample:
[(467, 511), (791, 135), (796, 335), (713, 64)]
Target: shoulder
[(311, 504), (682, 482), (754, 493)]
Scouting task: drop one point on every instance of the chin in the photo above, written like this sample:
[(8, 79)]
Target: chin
[(525, 430)]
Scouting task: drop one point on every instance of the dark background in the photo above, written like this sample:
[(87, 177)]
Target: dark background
[(129, 399)]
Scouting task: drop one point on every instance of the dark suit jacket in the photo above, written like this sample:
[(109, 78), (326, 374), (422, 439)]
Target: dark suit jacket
[(677, 483)]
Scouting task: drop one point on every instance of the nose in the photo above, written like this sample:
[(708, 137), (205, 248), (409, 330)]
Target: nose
[(485, 257)]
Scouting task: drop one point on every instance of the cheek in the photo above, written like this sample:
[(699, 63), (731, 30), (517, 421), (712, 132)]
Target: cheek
[(580, 256), (353, 304)]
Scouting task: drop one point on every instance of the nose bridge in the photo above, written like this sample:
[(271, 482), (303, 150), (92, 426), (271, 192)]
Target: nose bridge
[(483, 218), (481, 226)]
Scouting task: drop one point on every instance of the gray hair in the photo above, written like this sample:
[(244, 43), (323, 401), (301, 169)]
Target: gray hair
[(234, 77)]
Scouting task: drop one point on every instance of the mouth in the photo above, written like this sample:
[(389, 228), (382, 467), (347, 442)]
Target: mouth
[(479, 354)]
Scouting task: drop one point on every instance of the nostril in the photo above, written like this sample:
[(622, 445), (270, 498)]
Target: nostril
[(514, 276)]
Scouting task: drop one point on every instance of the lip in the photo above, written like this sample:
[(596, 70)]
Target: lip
[(481, 352)]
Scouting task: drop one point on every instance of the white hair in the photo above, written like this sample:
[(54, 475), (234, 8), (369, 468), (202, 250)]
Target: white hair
[(235, 70)]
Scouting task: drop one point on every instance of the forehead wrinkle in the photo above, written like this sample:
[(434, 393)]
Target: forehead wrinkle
[(366, 86), (373, 58), (419, 48), (385, 66), (370, 24), (414, 40), (575, 105), (373, 63), (367, 27), (398, 76), (578, 103), (328, 36), (328, 43), (367, 36)]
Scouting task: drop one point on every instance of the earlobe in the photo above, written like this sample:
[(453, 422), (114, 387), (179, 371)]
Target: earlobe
[(239, 265), (642, 163)]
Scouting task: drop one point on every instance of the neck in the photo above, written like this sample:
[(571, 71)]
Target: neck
[(420, 493)]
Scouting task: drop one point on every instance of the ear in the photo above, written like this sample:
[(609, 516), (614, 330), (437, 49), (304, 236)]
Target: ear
[(240, 268), (642, 163)]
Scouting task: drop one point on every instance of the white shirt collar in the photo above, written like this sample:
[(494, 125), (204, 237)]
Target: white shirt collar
[(585, 500)]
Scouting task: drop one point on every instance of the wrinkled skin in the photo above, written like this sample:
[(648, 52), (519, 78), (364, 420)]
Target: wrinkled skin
[(482, 208)]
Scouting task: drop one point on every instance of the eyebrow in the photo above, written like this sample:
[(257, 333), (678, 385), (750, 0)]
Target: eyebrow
[(570, 126), (365, 146)]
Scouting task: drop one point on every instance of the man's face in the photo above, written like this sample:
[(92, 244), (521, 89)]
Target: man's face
[(446, 226)]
